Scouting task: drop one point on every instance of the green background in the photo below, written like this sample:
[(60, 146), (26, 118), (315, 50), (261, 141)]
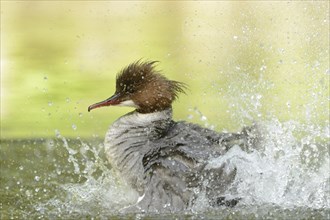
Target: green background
[(243, 61)]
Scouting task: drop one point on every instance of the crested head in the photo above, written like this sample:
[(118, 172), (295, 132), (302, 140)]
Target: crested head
[(141, 86)]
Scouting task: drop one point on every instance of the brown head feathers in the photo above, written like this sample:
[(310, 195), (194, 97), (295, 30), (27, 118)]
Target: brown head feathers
[(150, 91)]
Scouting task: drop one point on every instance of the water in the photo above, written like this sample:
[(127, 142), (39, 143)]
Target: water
[(288, 177)]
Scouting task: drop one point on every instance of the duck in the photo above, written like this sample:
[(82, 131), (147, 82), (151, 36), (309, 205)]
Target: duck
[(167, 162)]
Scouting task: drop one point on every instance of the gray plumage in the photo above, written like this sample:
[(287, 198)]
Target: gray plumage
[(166, 161)]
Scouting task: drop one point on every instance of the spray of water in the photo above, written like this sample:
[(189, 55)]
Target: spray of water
[(284, 171), (96, 188), (290, 168)]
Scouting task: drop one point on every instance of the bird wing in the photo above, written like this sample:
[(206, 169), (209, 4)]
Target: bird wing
[(175, 166)]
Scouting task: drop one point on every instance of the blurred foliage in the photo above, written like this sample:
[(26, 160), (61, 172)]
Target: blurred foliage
[(243, 61)]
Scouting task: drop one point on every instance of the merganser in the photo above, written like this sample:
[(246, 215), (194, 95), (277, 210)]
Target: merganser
[(165, 161)]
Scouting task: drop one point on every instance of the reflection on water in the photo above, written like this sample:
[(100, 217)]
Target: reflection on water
[(59, 178)]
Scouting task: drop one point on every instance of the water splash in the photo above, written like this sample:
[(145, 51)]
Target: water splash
[(280, 173), (287, 171), (96, 188)]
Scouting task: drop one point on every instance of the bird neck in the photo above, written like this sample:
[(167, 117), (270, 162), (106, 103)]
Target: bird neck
[(137, 119)]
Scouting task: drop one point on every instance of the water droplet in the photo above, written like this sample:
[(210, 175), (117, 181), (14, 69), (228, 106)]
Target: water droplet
[(259, 96), (50, 143), (235, 37), (37, 178), (288, 104), (74, 127), (203, 118), (21, 168), (316, 64), (28, 193), (57, 133), (80, 114), (50, 103), (67, 100)]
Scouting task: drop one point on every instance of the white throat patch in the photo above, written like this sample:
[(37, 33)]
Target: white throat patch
[(128, 103)]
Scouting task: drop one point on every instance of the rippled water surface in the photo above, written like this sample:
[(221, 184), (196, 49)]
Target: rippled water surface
[(287, 178)]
